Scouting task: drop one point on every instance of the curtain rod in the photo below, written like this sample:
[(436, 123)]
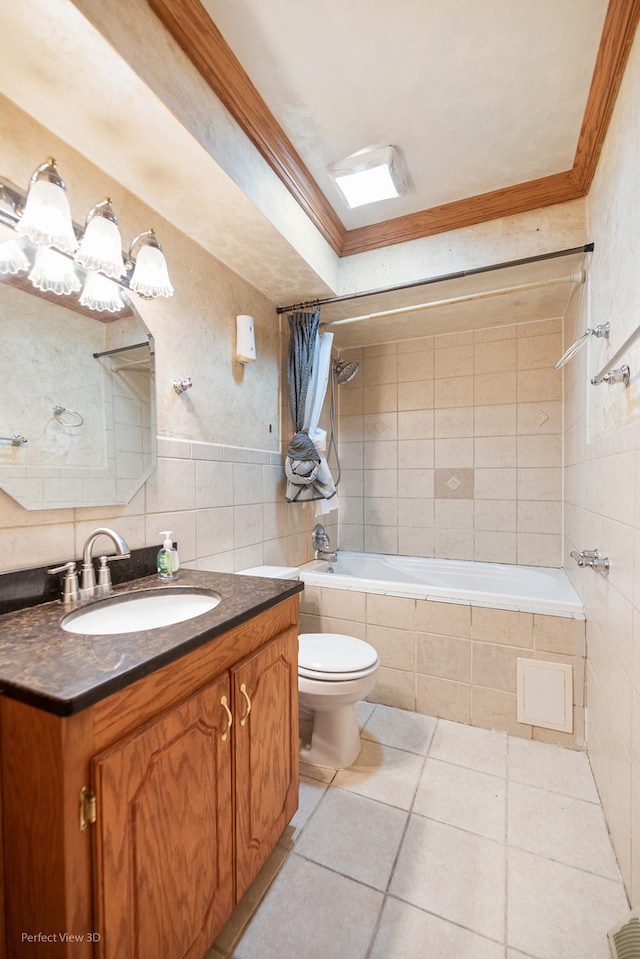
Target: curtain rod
[(587, 248)]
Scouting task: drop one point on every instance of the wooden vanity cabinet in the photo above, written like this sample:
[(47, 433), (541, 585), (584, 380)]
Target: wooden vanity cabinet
[(195, 775)]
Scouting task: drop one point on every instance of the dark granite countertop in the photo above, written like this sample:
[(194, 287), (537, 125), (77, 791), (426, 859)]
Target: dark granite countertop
[(62, 672)]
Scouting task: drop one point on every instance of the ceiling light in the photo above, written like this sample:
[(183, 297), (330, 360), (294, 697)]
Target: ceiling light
[(101, 245), (46, 217), (150, 275), (369, 176), (13, 259)]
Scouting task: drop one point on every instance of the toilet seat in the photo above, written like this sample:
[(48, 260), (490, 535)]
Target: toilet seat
[(334, 657)]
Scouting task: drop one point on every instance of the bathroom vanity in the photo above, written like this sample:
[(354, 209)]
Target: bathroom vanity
[(146, 776)]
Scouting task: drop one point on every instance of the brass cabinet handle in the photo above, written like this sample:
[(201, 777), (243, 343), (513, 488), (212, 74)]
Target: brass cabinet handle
[(223, 703), (243, 690)]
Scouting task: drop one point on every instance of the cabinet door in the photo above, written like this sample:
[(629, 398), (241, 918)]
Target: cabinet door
[(164, 879), (265, 692)]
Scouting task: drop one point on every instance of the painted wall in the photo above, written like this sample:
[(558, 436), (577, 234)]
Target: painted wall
[(602, 479), (451, 446)]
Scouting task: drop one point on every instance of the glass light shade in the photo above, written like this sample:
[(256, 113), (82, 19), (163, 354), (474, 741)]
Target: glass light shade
[(150, 276), (367, 186), (13, 259), (54, 273), (101, 247), (100, 293), (47, 218)]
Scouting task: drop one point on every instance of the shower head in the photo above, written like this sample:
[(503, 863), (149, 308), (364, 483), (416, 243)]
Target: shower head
[(345, 371)]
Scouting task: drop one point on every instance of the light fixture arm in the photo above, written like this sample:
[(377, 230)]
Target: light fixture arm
[(48, 171)]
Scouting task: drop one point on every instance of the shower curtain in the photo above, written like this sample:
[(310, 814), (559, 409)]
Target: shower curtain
[(307, 471)]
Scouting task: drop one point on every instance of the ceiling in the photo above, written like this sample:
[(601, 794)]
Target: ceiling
[(495, 107)]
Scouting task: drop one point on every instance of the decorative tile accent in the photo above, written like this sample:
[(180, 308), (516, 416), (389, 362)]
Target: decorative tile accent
[(380, 427), (454, 484), (540, 418)]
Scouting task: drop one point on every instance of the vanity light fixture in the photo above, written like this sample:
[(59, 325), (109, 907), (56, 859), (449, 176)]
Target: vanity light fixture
[(46, 217), (101, 293), (150, 276), (42, 219), (369, 176), (52, 272), (101, 246)]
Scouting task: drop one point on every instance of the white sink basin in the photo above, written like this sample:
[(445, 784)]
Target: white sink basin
[(146, 609)]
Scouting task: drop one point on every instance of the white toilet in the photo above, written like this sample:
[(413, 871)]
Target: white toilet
[(335, 671)]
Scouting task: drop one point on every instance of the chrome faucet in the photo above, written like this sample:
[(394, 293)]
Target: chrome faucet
[(322, 544), (89, 588)]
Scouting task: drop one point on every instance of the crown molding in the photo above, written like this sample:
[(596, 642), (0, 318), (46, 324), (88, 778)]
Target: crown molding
[(194, 31)]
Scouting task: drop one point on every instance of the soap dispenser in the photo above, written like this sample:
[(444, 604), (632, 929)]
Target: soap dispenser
[(168, 562)]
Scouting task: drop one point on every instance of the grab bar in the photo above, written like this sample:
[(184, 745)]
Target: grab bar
[(16, 440), (610, 366), (601, 330)]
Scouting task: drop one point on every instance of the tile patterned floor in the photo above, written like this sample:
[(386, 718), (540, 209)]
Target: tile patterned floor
[(442, 841)]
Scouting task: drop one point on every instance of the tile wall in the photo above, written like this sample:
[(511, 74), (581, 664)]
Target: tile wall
[(451, 446), (453, 661)]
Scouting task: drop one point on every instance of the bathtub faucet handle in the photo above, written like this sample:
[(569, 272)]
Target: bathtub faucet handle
[(322, 544)]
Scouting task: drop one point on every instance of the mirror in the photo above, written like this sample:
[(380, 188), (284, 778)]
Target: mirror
[(77, 417)]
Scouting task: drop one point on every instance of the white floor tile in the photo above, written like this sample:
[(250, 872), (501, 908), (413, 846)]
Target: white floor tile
[(551, 767), (562, 828), (311, 912), (480, 749), (400, 728), (355, 836), (463, 797), (454, 874), (558, 911), (383, 773), (310, 794), (409, 933)]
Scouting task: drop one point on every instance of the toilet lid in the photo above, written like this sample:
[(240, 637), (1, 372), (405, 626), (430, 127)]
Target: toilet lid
[(329, 654)]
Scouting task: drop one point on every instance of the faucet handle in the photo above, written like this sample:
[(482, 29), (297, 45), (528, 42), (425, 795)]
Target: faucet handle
[(70, 591)]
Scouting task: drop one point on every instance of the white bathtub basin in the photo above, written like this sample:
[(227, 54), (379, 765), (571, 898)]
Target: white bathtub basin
[(146, 609)]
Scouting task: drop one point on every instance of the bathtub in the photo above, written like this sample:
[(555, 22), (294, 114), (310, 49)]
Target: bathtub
[(530, 589)]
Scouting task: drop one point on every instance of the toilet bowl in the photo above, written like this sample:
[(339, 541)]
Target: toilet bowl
[(335, 671)]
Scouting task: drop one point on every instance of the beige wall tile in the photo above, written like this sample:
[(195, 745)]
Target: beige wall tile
[(494, 547), (540, 450), (328, 624), (440, 697), (394, 687), (415, 424), (556, 634), (496, 515), (416, 483), (380, 427), (381, 539), (395, 647), (396, 611), (380, 511), (415, 366), (494, 333), (448, 619), (454, 422), (539, 352), (495, 419), (343, 604), (502, 626), (443, 656), (380, 455), (310, 600), (416, 541), (539, 385), (454, 453), (544, 483), (453, 392), (540, 417), (416, 396), (494, 666), (415, 454), (539, 517), (454, 483), (416, 511), (383, 397), (379, 369), (453, 543), (495, 483), (496, 709), (494, 388), (454, 513), (415, 346), (495, 451), (495, 356), (539, 549), (453, 361)]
